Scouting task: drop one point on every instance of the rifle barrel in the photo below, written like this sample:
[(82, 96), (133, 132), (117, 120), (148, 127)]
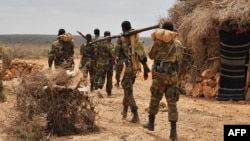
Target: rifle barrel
[(123, 34), (140, 30), (82, 35)]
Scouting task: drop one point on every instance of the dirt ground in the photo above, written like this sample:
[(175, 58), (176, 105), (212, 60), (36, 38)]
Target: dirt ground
[(200, 119)]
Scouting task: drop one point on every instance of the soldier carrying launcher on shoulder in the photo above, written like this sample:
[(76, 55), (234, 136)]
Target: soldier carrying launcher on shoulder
[(129, 49)]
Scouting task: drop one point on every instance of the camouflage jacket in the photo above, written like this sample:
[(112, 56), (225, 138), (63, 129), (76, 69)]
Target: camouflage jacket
[(123, 48), (87, 50), (105, 53), (165, 52), (61, 50)]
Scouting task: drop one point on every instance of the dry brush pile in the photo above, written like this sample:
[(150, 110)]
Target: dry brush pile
[(52, 102), (198, 23)]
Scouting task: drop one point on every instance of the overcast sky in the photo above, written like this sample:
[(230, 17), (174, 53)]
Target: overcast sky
[(47, 16)]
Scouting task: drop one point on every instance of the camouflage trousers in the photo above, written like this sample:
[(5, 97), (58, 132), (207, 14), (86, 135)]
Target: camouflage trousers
[(118, 70), (87, 69), (164, 83), (105, 71), (127, 85), (94, 78)]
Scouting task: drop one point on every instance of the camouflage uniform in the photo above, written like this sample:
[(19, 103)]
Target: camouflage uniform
[(165, 68), (105, 65), (118, 69), (164, 71), (123, 49), (94, 62), (88, 58), (61, 54)]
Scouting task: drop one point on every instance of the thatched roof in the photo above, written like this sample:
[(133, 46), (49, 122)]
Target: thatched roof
[(198, 23)]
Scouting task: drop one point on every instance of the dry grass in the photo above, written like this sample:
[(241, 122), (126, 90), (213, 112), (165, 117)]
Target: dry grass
[(6, 59)]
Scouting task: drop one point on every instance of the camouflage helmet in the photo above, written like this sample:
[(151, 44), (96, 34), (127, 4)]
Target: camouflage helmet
[(126, 25)]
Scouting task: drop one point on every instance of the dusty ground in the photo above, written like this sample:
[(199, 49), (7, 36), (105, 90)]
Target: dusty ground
[(200, 119)]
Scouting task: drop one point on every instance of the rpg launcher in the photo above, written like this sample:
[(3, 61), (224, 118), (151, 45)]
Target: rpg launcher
[(132, 32)]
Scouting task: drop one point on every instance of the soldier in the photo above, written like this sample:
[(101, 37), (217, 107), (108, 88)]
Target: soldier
[(123, 48), (87, 52), (62, 51), (93, 66), (97, 34), (165, 77), (105, 61)]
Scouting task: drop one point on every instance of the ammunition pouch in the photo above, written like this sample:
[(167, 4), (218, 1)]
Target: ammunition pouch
[(166, 67)]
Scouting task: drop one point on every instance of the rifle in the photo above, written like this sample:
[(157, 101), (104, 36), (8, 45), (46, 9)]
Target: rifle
[(132, 32)]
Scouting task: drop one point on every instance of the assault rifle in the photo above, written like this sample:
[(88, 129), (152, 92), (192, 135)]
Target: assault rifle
[(132, 32)]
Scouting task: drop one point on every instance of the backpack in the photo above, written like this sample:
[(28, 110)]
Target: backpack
[(67, 37), (163, 35), (176, 49)]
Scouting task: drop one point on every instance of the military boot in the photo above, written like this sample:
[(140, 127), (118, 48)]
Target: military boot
[(135, 117), (150, 125), (124, 112), (173, 133)]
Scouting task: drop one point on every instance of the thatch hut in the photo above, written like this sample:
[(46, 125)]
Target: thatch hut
[(199, 23)]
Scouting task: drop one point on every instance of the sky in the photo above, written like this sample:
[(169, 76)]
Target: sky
[(48, 16)]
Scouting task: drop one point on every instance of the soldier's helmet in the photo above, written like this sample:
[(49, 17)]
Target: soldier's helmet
[(126, 26), (106, 33), (168, 25), (61, 31)]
